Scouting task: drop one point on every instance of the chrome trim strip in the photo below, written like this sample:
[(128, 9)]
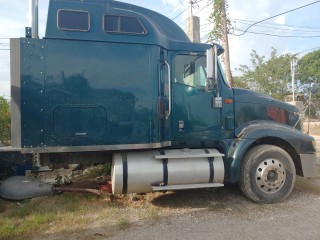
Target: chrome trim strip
[(185, 156), (186, 186), (10, 149), (95, 148), (15, 104), (169, 86)]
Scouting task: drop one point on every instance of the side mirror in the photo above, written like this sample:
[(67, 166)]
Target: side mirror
[(210, 63), (212, 67), (212, 75)]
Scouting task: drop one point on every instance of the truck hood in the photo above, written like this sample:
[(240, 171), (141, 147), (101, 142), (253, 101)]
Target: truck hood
[(251, 106)]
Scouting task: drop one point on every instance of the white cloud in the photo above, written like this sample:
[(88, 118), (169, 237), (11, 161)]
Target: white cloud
[(280, 20), (5, 89)]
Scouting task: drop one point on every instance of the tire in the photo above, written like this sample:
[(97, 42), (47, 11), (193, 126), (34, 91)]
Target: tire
[(268, 174)]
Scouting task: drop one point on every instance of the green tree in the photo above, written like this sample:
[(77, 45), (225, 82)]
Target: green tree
[(271, 77), (221, 28), (308, 72), (239, 83), (4, 121), (309, 68)]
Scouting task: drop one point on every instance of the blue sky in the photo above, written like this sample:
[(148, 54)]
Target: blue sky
[(303, 23)]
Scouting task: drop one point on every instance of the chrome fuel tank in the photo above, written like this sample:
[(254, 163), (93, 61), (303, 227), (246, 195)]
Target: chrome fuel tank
[(137, 172)]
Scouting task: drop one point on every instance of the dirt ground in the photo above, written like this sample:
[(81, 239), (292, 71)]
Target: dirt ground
[(221, 213), (237, 218), (231, 216)]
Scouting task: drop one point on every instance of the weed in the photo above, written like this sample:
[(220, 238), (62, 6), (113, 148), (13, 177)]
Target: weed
[(7, 227), (123, 223), (154, 214), (10, 229), (24, 209), (2, 206)]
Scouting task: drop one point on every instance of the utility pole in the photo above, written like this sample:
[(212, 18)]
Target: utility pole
[(193, 25), (225, 42), (293, 69)]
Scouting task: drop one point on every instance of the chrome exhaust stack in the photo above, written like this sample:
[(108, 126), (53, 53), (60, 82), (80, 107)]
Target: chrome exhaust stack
[(33, 18)]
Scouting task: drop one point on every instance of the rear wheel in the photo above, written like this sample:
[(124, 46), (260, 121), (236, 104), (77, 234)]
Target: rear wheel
[(267, 174)]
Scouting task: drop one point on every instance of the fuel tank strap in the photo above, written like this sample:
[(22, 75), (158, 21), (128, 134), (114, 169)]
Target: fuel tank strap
[(165, 168), (125, 173), (211, 166)]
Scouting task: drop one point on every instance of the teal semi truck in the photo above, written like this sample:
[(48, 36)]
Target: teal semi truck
[(111, 81)]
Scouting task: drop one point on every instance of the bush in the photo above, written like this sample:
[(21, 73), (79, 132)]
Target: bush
[(5, 120)]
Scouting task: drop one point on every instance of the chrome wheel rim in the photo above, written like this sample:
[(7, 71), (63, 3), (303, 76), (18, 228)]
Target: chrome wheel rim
[(270, 175)]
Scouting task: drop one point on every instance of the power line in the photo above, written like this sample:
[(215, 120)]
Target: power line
[(175, 7), (246, 30), (198, 11), (307, 50), (276, 35), (277, 24), (203, 7), (286, 29), (179, 14)]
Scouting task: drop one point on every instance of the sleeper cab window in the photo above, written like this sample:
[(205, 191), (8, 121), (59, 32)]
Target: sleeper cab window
[(123, 24), (71, 20)]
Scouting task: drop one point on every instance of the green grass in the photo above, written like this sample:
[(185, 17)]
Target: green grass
[(16, 228), (123, 223), (25, 218)]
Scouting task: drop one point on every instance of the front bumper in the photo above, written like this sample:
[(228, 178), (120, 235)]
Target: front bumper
[(308, 163)]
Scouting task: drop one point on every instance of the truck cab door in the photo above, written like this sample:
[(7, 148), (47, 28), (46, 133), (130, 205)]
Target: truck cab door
[(194, 121), (164, 99)]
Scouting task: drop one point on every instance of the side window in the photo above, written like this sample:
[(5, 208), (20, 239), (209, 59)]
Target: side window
[(123, 24), (111, 23), (70, 20), (191, 70), (131, 25)]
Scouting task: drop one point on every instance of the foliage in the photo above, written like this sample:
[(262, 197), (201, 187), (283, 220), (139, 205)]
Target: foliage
[(308, 72), (215, 17), (271, 77), (4, 121), (221, 29), (239, 83), (309, 68)]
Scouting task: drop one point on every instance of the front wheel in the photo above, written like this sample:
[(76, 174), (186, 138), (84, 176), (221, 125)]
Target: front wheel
[(268, 174)]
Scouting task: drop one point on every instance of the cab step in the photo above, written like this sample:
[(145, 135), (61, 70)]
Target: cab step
[(187, 153), (186, 186)]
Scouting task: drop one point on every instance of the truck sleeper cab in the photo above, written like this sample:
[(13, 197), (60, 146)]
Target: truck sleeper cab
[(110, 77)]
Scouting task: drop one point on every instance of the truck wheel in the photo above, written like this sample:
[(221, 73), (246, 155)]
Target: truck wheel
[(268, 174)]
